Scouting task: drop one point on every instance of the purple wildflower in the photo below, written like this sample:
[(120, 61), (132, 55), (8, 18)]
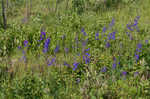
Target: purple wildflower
[(104, 69), (41, 36), (107, 45), (19, 47), (87, 60), (66, 50), (87, 54), (146, 41), (52, 61), (136, 57), (87, 49), (112, 23), (114, 66), (66, 64), (47, 42), (104, 29), (84, 33), (75, 66), (97, 36), (82, 30), (129, 27), (124, 73), (25, 43), (138, 50), (84, 43), (111, 36), (118, 63), (56, 49), (139, 45)]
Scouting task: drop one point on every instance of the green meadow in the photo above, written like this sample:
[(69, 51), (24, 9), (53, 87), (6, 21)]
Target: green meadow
[(75, 49)]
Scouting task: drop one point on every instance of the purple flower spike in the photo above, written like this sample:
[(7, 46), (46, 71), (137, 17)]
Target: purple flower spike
[(75, 66), (114, 66), (52, 61), (87, 49), (104, 69), (82, 30), (66, 50), (139, 45), (104, 29), (66, 64), (107, 45), (46, 45), (56, 49), (112, 23), (118, 63), (84, 33), (129, 27), (138, 50), (41, 36), (87, 54), (87, 60), (124, 73), (19, 47), (97, 36), (25, 43), (146, 41)]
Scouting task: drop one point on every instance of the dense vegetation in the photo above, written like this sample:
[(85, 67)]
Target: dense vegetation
[(75, 49)]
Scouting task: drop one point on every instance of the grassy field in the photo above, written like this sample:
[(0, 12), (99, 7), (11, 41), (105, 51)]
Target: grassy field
[(86, 49)]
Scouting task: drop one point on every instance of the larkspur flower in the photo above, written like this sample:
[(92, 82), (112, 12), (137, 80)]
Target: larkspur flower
[(25, 43), (75, 66), (56, 49), (118, 63), (47, 42), (113, 35), (87, 60), (41, 36), (104, 29), (87, 49), (112, 23), (84, 43), (129, 27), (97, 36), (66, 50), (104, 69), (138, 50), (124, 73), (139, 45), (87, 54), (52, 61), (136, 57), (19, 47), (114, 58), (114, 66), (84, 33), (66, 64), (82, 30), (107, 45), (146, 41), (24, 58), (136, 20)]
